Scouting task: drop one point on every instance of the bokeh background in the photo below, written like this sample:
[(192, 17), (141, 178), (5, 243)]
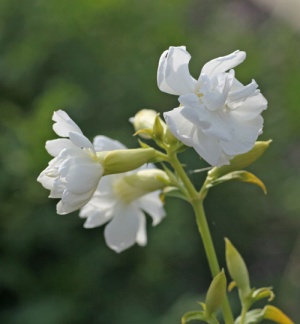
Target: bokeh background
[(97, 60)]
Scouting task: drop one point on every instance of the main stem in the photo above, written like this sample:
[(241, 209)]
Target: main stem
[(197, 202)]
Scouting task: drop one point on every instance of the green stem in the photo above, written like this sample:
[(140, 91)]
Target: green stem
[(196, 200)]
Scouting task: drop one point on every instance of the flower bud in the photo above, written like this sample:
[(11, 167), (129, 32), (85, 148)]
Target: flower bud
[(144, 120), (241, 161), (120, 161), (237, 269), (136, 185)]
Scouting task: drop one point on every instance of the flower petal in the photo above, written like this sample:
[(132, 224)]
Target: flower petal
[(173, 72), (64, 124), (54, 147), (103, 143), (223, 63), (153, 206), (141, 235), (81, 141), (121, 232)]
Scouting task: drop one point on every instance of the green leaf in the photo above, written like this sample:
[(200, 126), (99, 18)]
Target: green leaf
[(216, 293), (244, 176), (173, 192), (241, 161), (237, 269), (193, 315), (276, 315)]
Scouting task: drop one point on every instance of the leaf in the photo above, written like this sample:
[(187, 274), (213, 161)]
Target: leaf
[(241, 161), (276, 315), (173, 192), (216, 293), (237, 268), (193, 315), (244, 176)]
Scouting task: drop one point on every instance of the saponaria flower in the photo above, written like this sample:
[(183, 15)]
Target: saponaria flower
[(75, 171), (121, 200), (219, 117)]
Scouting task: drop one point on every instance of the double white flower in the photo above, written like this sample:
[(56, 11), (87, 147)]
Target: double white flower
[(74, 173), (218, 115), (120, 199)]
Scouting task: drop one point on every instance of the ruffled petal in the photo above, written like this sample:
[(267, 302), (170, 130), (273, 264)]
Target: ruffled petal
[(64, 124), (223, 63), (54, 147), (81, 141), (103, 143), (181, 128), (173, 72), (121, 232)]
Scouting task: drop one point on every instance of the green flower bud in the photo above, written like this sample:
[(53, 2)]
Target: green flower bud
[(143, 122), (240, 161), (237, 269), (119, 161), (216, 293), (136, 185)]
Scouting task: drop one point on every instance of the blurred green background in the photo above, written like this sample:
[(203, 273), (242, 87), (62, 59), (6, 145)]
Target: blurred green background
[(97, 60)]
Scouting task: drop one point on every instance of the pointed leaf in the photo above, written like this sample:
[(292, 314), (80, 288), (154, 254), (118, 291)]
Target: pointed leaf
[(244, 176), (241, 161), (193, 315), (237, 268), (216, 293), (276, 315), (173, 192)]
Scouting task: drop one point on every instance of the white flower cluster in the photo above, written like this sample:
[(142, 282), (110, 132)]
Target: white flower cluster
[(218, 116), (74, 174)]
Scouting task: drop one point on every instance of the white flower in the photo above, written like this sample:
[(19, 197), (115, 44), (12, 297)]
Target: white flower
[(218, 115), (124, 207), (74, 173)]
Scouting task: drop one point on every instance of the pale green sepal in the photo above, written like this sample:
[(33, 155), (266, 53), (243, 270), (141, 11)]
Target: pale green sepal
[(241, 161), (216, 293), (158, 129), (143, 144), (237, 269), (244, 176), (173, 192), (193, 315), (171, 175), (145, 133), (254, 316), (120, 161)]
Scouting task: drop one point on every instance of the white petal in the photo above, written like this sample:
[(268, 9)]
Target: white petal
[(80, 140), (173, 72), (103, 143), (179, 126), (121, 231), (71, 202), (83, 177), (243, 92), (64, 124), (153, 206), (54, 147), (223, 63), (245, 135), (207, 147), (141, 235)]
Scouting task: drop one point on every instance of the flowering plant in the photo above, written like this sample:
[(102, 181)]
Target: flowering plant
[(221, 119)]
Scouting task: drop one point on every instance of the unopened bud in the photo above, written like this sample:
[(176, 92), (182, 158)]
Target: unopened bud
[(144, 120)]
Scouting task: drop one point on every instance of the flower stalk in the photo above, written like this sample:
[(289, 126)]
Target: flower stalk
[(196, 200)]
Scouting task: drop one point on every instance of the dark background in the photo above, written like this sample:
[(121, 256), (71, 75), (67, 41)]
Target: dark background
[(97, 60)]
